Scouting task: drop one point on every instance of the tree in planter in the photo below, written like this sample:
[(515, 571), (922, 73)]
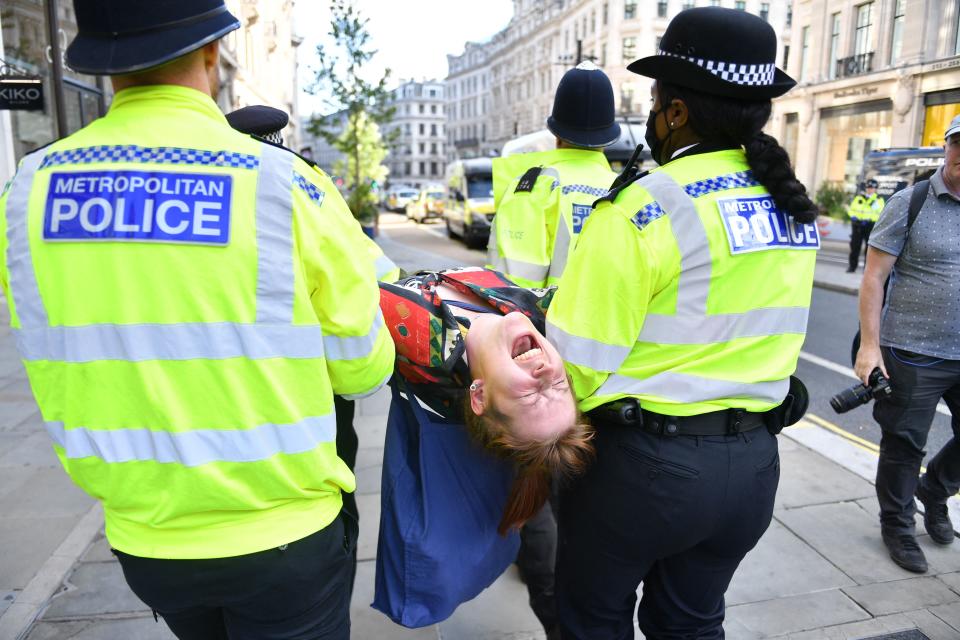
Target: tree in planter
[(367, 105), (832, 199), (369, 154)]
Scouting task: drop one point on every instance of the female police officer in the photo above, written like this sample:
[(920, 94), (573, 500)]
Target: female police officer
[(680, 317)]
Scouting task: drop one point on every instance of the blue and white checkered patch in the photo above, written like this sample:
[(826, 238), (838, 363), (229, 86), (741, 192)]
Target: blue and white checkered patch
[(739, 180), (584, 188), (647, 215), (157, 155), (309, 188)]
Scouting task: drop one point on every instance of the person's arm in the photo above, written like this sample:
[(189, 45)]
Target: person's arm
[(886, 242), (601, 302), (340, 274), (520, 245), (879, 265)]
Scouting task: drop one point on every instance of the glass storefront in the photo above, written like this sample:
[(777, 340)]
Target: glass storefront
[(847, 135), (25, 46), (941, 108)]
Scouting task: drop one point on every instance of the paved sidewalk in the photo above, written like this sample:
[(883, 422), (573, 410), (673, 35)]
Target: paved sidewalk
[(819, 572)]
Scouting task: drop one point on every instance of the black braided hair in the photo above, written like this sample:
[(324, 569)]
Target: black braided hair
[(740, 123)]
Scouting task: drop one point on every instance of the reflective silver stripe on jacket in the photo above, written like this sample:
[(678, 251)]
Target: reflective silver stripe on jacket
[(273, 335), (521, 269), (183, 341), (195, 447), (23, 279), (585, 352), (353, 347), (684, 388), (383, 266), (275, 235)]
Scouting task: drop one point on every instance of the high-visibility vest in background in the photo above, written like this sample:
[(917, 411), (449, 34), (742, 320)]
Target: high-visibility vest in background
[(690, 292), (186, 301), (540, 215), (866, 208)]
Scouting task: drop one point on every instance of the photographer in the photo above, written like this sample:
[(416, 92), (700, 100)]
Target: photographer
[(916, 345)]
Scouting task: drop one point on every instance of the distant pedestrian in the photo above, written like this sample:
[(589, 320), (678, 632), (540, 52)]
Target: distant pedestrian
[(863, 213), (187, 300), (915, 338), (680, 317)]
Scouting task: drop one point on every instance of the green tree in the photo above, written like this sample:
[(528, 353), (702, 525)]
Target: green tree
[(362, 167), (339, 78), (832, 199)]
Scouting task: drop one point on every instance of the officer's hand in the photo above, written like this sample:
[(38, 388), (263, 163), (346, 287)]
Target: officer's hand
[(868, 359)]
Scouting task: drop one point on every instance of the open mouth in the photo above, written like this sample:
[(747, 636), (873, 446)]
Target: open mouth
[(525, 348)]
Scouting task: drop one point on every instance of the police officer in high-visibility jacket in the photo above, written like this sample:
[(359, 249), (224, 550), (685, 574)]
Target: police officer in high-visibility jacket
[(544, 208), (680, 317), (187, 300), (864, 211)]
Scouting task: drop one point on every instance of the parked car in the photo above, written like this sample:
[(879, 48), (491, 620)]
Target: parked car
[(397, 200), (429, 204), (469, 207)]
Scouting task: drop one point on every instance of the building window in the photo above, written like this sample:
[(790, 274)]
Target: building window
[(593, 22), (863, 39), (626, 99), (629, 10), (834, 45), (791, 136), (956, 47), (433, 148), (656, 43), (406, 168), (789, 15), (433, 108), (786, 56), (421, 108), (629, 49), (422, 147), (714, 3), (433, 168), (422, 129), (804, 52), (662, 9), (423, 168), (688, 4), (606, 13), (896, 37), (740, 5), (406, 129), (765, 10)]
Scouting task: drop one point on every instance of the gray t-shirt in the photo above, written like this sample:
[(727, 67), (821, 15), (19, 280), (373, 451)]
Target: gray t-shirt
[(922, 313)]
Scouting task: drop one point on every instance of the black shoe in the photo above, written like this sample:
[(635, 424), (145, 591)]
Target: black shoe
[(851, 270), (905, 551), (935, 518)]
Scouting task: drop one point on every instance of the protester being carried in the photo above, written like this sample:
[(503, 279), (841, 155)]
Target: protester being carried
[(470, 345)]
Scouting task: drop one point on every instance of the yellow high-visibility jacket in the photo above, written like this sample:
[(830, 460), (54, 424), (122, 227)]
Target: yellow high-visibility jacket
[(186, 301), (535, 230), (689, 292), (866, 208)]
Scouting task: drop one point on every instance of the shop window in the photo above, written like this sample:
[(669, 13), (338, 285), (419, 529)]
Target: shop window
[(941, 108), (847, 135)]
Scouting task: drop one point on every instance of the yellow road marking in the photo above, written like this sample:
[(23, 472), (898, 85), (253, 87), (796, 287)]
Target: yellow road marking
[(855, 440)]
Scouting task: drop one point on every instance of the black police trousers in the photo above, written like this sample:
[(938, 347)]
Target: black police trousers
[(918, 382), (536, 561), (298, 591), (859, 235), (676, 513)]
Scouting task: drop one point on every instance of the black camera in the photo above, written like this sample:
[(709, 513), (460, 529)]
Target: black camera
[(862, 394)]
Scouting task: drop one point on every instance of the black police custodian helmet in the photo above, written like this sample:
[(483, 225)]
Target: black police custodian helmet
[(261, 121), (724, 52), (124, 36), (583, 111), (872, 184)]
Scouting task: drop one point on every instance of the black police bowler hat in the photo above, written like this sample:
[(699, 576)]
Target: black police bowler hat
[(259, 120), (724, 52), (583, 111), (124, 36)]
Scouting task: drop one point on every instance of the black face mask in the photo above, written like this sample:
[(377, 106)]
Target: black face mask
[(650, 136)]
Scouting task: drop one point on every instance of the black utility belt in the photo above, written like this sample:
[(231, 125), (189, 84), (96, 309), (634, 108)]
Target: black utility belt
[(628, 413)]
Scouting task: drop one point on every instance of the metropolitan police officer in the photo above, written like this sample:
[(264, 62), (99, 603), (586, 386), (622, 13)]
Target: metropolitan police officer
[(864, 211), (540, 217), (187, 300), (681, 316)]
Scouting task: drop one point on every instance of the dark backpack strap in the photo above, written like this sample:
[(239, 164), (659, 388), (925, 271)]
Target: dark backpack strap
[(917, 198)]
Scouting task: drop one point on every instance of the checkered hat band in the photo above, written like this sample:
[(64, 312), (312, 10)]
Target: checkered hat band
[(745, 74)]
